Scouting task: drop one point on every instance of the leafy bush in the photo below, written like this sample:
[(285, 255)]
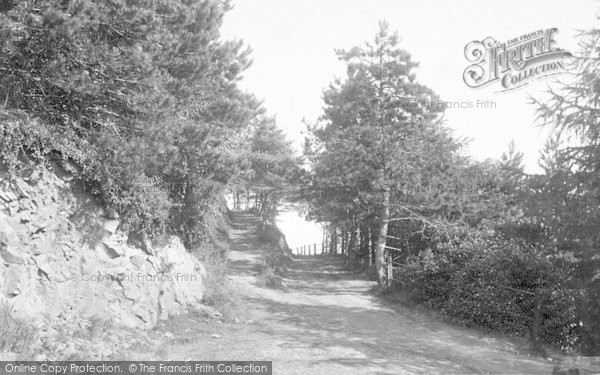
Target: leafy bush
[(27, 141), (204, 226), (274, 256), (492, 283), (274, 259)]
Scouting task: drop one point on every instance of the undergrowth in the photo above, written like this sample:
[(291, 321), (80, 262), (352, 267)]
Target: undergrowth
[(218, 291), (274, 260), (17, 335), (271, 267)]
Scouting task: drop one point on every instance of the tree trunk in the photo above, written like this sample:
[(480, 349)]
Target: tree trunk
[(353, 242), (370, 245), (247, 198), (335, 239), (381, 240), (331, 239)]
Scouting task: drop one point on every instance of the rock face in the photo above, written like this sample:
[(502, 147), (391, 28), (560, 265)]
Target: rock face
[(60, 255)]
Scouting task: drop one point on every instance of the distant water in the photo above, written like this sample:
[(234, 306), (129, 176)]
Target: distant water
[(298, 231)]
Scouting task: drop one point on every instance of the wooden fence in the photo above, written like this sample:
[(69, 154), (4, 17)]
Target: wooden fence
[(310, 250)]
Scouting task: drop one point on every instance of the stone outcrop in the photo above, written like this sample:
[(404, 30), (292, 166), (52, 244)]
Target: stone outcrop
[(61, 256)]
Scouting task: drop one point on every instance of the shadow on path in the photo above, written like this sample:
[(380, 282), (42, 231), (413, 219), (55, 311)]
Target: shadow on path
[(326, 321)]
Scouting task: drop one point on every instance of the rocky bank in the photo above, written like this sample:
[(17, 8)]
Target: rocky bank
[(64, 260)]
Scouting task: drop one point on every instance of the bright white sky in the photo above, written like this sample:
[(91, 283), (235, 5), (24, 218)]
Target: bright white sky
[(293, 44)]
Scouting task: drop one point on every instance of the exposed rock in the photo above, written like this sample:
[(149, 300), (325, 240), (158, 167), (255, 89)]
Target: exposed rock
[(13, 208), (60, 277), (132, 292), (153, 263), (111, 226), (8, 242), (168, 305), (7, 196), (15, 281), (111, 249), (42, 245), (90, 266), (9, 257), (45, 266), (115, 272), (22, 188), (138, 260), (61, 261)]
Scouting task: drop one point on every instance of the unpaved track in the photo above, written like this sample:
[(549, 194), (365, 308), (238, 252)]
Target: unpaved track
[(327, 321)]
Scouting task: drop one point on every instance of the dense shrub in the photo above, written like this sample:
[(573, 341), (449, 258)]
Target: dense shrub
[(27, 141), (275, 258), (276, 255), (204, 226), (492, 283)]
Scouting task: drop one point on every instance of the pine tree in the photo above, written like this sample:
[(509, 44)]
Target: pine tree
[(144, 90), (380, 132)]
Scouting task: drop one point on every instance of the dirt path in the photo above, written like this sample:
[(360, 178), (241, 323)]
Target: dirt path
[(326, 321)]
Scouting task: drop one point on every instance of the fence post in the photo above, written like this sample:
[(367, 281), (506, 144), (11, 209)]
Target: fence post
[(390, 270)]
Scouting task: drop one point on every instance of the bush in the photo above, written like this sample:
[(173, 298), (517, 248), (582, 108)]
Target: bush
[(17, 335), (142, 201), (204, 225), (26, 142), (276, 251), (273, 264), (491, 283), (218, 292)]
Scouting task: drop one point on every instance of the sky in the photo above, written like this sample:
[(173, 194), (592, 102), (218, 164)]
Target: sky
[(293, 43)]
